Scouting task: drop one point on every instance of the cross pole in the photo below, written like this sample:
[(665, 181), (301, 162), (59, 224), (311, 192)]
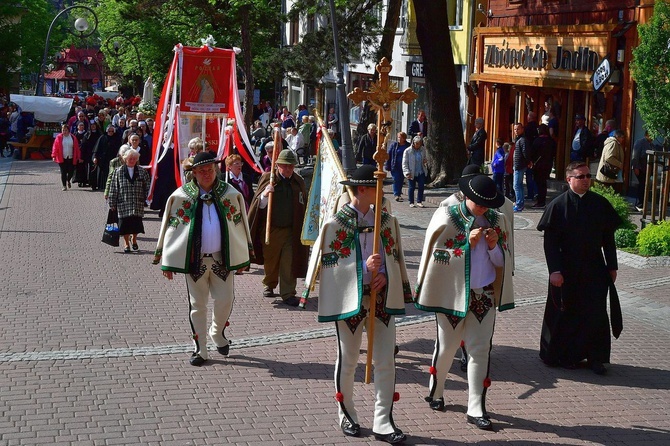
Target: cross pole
[(382, 97)]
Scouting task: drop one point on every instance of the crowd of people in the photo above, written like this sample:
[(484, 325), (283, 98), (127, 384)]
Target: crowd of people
[(218, 223)]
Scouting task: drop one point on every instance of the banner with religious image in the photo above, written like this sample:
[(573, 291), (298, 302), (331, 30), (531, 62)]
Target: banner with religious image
[(206, 80), (325, 189)]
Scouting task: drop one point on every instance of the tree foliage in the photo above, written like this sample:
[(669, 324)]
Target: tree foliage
[(22, 41), (314, 56), (651, 71)]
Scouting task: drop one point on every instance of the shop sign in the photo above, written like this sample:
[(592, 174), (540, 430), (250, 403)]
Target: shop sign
[(414, 69), (551, 56)]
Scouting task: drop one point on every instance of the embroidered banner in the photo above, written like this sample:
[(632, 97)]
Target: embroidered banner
[(206, 81), (325, 189)]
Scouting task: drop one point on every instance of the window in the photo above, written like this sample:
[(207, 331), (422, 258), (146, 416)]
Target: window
[(455, 13), (294, 32)]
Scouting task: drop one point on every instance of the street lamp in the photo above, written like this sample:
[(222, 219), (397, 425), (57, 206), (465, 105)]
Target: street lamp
[(83, 28), (119, 47)]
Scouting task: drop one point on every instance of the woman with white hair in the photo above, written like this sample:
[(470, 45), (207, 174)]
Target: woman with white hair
[(367, 146), (128, 192), (114, 164)]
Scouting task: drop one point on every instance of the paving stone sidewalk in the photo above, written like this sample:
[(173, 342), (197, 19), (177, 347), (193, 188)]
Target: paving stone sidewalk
[(94, 348)]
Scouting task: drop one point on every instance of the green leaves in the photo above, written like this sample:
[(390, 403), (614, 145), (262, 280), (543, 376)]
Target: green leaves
[(651, 71)]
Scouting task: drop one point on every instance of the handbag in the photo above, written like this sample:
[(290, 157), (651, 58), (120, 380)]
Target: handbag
[(610, 171), (110, 235)]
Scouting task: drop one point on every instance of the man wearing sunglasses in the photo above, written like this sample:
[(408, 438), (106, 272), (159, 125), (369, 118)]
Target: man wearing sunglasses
[(581, 257)]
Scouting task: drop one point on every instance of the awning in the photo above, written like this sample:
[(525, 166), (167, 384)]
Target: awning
[(46, 109)]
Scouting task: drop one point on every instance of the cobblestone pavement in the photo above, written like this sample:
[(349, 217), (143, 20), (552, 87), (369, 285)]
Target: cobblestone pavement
[(94, 348)]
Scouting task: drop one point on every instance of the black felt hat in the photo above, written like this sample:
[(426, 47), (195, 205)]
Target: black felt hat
[(481, 190), (363, 176), (202, 158), (471, 170)]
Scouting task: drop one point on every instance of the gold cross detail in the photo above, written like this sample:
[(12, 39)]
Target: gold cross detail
[(382, 97)]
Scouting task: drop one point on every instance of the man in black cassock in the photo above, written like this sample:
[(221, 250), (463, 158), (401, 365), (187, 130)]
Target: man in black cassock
[(578, 229)]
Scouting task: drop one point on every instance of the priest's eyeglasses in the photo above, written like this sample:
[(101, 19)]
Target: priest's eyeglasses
[(580, 177)]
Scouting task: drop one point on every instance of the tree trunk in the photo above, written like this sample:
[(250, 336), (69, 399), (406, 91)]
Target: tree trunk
[(248, 73), (445, 143)]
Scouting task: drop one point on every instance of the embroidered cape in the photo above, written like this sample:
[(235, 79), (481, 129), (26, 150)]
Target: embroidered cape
[(443, 283), (337, 254), (178, 246)]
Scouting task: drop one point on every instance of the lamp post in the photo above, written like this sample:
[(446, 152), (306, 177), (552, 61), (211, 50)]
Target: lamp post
[(119, 48), (81, 25)]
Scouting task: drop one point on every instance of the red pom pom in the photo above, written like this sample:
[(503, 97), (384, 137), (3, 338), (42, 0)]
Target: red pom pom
[(432, 370), (227, 323), (339, 397), (396, 397), (487, 382), (462, 344)]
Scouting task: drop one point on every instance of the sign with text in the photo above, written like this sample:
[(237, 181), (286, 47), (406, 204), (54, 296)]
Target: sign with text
[(534, 57), (205, 82)]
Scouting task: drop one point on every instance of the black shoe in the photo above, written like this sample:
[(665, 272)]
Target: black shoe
[(481, 423), (598, 368), (223, 350), (538, 206), (396, 350), (197, 360), (268, 292), (392, 438), (126, 250), (464, 364), (437, 404), (349, 429), (292, 301), (135, 247)]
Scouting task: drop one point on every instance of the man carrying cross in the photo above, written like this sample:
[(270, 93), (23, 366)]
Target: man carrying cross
[(344, 255)]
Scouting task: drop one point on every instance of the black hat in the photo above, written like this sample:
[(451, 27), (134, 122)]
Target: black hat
[(482, 191), (202, 158), (471, 170), (363, 176)]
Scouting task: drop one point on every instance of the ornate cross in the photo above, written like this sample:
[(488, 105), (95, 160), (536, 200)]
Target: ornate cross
[(382, 97)]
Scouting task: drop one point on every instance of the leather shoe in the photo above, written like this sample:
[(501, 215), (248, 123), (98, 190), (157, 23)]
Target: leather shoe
[(268, 292), (481, 423), (349, 429), (598, 368), (197, 360), (392, 438), (223, 350), (292, 301), (437, 404)]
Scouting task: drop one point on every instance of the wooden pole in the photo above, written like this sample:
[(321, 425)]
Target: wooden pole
[(380, 156), (275, 152)]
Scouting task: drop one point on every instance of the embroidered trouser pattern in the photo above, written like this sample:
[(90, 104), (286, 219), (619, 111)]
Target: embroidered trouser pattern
[(348, 354), (476, 330), (210, 283)]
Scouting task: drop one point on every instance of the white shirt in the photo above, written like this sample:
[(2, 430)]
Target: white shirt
[(68, 146), (483, 260), (210, 239), (366, 240)]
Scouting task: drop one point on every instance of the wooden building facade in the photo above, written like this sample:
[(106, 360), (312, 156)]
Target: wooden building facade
[(570, 55)]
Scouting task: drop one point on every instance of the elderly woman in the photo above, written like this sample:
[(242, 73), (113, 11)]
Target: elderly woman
[(128, 192), (240, 181), (611, 161), (195, 146), (114, 164), (414, 169), (65, 152)]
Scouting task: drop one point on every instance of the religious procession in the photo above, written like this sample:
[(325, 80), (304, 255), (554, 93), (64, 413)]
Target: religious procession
[(332, 261)]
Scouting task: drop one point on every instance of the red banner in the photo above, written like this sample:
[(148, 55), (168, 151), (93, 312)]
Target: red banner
[(205, 81)]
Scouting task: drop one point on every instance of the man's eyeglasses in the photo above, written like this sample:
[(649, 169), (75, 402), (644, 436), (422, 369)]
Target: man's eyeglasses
[(580, 177)]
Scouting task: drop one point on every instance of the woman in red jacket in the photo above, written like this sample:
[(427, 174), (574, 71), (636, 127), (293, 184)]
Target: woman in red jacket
[(65, 152)]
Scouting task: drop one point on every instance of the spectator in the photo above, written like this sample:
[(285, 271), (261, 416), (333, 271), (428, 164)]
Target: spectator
[(414, 168), (65, 151), (498, 165), (520, 165), (419, 127), (333, 120), (582, 142), (542, 155), (367, 146), (477, 144), (394, 164), (612, 157), (638, 163)]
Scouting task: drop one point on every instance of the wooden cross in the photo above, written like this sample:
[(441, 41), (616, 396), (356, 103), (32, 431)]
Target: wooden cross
[(382, 96)]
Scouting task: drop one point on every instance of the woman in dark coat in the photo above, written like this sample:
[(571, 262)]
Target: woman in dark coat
[(165, 182), (87, 146), (106, 149)]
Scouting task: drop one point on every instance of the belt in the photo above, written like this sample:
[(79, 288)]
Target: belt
[(208, 255)]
